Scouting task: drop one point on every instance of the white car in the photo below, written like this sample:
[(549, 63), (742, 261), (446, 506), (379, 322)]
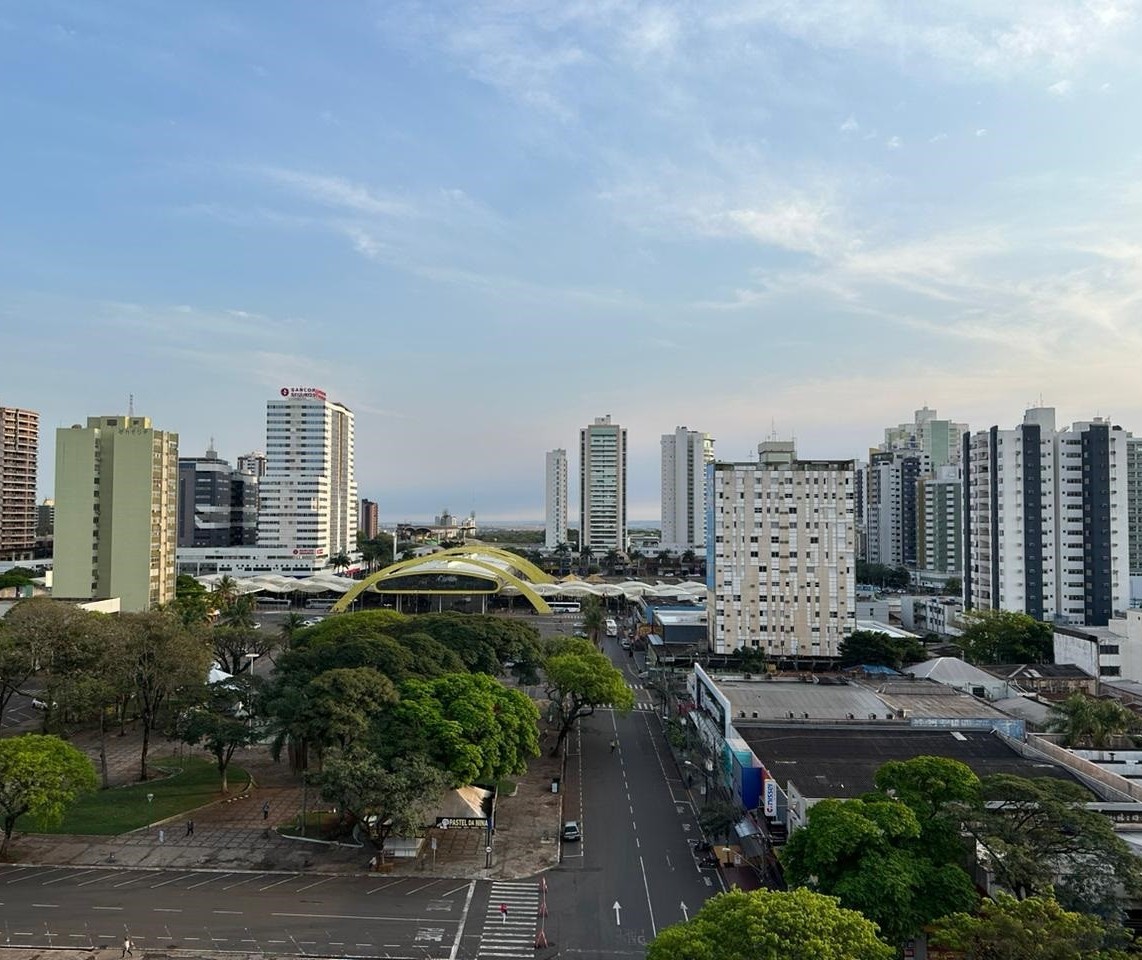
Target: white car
[(312, 621)]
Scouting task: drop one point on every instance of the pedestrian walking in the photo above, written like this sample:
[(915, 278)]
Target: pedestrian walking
[(266, 810), (614, 743), (504, 912), (127, 952), (190, 828)]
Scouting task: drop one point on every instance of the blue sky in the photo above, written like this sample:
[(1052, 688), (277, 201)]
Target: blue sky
[(482, 224)]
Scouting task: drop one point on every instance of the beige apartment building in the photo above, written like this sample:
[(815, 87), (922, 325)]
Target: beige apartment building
[(116, 512), (19, 454), (783, 555)]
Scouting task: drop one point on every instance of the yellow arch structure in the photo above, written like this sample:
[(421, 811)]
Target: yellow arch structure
[(394, 571)]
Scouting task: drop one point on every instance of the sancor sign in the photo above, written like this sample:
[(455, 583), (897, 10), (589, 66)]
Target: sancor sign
[(302, 393)]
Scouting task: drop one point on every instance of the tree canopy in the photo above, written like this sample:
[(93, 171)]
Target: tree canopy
[(869, 854), (579, 679), (875, 647), (40, 776), (1003, 636), (1037, 928), (771, 925), (1091, 721)]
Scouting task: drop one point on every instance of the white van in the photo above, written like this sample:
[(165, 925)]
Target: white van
[(612, 627)]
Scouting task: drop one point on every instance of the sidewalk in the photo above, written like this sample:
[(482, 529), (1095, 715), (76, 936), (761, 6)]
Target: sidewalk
[(231, 834)]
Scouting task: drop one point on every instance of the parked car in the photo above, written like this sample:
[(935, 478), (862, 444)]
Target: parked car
[(571, 831)]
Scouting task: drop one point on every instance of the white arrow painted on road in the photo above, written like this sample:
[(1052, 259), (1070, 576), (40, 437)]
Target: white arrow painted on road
[(616, 906), (685, 910)]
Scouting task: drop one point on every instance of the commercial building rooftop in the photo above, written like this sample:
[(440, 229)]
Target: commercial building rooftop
[(842, 760)]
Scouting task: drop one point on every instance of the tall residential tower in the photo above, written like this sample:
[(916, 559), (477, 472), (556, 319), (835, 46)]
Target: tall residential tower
[(555, 498), (19, 456), (116, 512), (685, 454), (603, 486)]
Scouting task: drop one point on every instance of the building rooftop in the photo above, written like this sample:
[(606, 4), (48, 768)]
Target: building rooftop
[(841, 761), (950, 670), (1036, 671), (776, 699), (879, 626), (913, 697)]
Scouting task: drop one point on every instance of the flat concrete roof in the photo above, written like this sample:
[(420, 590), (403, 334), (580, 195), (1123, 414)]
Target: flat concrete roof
[(776, 699), (841, 760)]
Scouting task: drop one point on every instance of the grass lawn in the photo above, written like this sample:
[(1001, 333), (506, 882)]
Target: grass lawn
[(119, 809)]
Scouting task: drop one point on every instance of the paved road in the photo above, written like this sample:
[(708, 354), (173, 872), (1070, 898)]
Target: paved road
[(638, 823), (269, 913)]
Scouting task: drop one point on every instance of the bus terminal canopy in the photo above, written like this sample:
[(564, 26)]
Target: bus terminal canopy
[(467, 570)]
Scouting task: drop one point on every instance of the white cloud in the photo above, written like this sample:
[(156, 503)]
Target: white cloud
[(1062, 88), (981, 132), (339, 192), (893, 143), (850, 125), (938, 137)]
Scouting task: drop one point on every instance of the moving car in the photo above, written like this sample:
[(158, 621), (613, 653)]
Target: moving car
[(612, 627), (571, 831), (625, 643)]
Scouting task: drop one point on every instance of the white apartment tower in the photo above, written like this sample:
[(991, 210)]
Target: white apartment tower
[(685, 454), (603, 486), (555, 530), (308, 493), (1045, 520), (939, 439), (781, 567)]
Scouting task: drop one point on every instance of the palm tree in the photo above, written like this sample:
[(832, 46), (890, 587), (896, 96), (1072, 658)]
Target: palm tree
[(611, 560), (225, 590), (663, 558), (585, 555), (563, 552), (340, 561), (688, 559), (239, 612), (593, 618), (636, 557), (1081, 719)]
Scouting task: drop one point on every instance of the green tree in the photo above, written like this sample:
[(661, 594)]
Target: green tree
[(882, 575), (875, 647), (593, 618), (868, 853), (563, 552), (1037, 928), (221, 724), (1002, 636), (771, 925), (717, 819), (940, 792), (238, 612), (17, 577), (191, 602), (53, 633), (388, 800), (17, 664), (234, 644), (166, 660), (343, 704), (340, 561), (1090, 721), (579, 679), (470, 725), (1038, 835), (40, 776)]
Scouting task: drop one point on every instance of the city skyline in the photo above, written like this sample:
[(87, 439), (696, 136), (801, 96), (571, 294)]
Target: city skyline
[(802, 220)]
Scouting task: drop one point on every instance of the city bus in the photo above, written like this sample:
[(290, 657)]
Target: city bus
[(272, 602), (564, 606)]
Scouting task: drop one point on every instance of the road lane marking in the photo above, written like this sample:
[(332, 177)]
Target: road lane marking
[(106, 908), (203, 883), (457, 890), (316, 883), (277, 882), (231, 913), (463, 920), (126, 883), (168, 909), (47, 906), (424, 887), (185, 876), (342, 916), (385, 886), (255, 876)]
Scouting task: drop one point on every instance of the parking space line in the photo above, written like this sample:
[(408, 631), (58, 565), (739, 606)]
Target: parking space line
[(127, 883), (104, 875), (425, 887), (385, 886), (293, 876), (203, 883), (66, 876), (185, 876), (316, 883), (27, 876), (245, 880)]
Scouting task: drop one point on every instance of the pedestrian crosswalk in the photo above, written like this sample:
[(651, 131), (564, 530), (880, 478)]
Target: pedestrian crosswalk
[(510, 923), (638, 705)]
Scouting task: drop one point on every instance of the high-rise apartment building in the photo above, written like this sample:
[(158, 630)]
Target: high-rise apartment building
[(116, 512), (370, 519), (780, 554), (939, 523), (1134, 503), (217, 504), (555, 499), (685, 454), (603, 486), (939, 439), (45, 519), (1045, 520), (891, 511), (308, 494), (19, 457), (253, 462)]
